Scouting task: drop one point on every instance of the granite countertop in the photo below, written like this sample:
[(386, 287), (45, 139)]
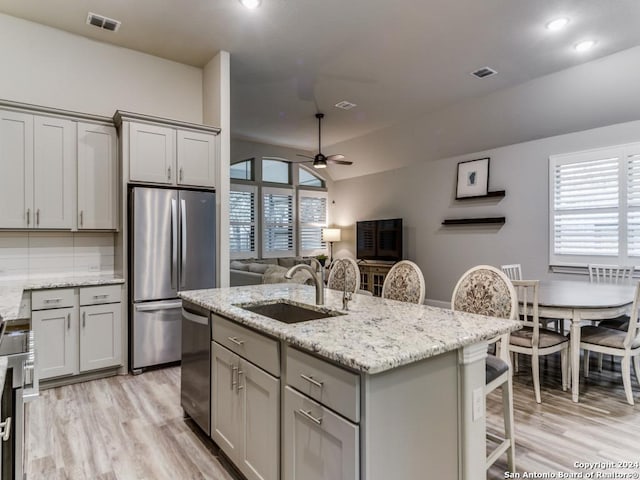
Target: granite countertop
[(375, 335), (11, 290)]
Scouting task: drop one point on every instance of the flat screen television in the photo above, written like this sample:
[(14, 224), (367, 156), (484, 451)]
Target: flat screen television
[(379, 240)]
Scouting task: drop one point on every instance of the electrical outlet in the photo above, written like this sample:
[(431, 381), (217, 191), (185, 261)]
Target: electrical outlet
[(478, 404)]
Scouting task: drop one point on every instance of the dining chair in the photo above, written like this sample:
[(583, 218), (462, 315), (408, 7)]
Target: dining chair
[(344, 275), (611, 274), (616, 342), (485, 290), (513, 271), (405, 283), (535, 341)]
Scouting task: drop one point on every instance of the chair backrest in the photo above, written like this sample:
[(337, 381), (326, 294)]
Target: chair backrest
[(610, 273), (404, 282), (527, 294), (513, 271), (634, 323), (487, 291), (344, 275)]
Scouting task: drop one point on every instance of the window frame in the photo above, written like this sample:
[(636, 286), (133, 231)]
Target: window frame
[(306, 192), (623, 153), (244, 187)]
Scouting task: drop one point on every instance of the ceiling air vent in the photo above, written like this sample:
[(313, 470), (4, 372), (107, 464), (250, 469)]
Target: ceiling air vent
[(344, 105), (484, 72), (103, 22)]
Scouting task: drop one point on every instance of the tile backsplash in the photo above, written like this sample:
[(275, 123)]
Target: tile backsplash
[(42, 254)]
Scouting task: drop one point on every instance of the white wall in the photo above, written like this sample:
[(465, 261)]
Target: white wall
[(423, 194), (52, 68)]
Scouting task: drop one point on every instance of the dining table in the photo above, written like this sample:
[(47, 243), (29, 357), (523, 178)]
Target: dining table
[(582, 302)]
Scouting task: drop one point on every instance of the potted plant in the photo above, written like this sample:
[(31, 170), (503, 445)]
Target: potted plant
[(322, 258)]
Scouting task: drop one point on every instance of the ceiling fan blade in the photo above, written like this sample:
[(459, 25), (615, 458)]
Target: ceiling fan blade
[(339, 162), (305, 156), (337, 156)]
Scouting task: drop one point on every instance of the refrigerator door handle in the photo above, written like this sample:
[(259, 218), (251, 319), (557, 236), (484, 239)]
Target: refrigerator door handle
[(174, 243), (154, 306), (183, 231)]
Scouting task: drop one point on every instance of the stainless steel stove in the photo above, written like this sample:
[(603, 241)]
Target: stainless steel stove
[(21, 385)]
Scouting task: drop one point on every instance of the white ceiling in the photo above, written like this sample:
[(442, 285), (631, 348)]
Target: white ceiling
[(397, 60)]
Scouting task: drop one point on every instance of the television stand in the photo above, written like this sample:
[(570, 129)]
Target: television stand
[(372, 275)]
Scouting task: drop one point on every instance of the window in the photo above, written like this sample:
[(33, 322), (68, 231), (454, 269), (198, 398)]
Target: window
[(242, 221), (242, 170), (276, 171), (595, 206), (278, 222), (312, 215), (308, 179)]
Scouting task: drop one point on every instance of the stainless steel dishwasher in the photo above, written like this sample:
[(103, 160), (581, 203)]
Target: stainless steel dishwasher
[(195, 383)]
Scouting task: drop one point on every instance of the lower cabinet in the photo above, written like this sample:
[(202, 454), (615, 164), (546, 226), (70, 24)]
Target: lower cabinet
[(318, 444), (246, 414), (100, 336), (75, 338), (56, 333)]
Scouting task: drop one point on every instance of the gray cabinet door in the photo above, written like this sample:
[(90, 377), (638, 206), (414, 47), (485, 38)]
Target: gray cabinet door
[(57, 347), (260, 399), (100, 336), (318, 444), (226, 412)]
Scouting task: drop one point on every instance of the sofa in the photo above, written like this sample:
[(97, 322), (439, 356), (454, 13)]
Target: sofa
[(254, 271)]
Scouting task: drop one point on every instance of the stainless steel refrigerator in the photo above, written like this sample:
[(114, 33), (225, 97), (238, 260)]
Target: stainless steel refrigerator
[(172, 248)]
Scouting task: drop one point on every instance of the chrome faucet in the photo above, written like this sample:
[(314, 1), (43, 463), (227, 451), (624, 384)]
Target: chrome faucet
[(317, 275)]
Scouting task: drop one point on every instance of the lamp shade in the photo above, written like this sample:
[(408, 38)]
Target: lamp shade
[(331, 234)]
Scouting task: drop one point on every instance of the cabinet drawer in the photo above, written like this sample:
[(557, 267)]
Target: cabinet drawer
[(58, 298), (332, 386), (102, 294), (253, 346)]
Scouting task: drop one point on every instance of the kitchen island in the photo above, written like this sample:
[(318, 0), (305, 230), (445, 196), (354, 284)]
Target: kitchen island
[(384, 390)]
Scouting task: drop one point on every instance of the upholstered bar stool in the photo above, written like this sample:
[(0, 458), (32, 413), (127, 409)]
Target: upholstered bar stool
[(485, 290), (404, 282)]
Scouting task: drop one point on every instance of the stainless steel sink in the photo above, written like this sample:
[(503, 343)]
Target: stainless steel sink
[(286, 312)]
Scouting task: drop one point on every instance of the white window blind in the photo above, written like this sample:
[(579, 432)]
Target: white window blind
[(278, 220), (242, 221), (312, 218), (595, 206)]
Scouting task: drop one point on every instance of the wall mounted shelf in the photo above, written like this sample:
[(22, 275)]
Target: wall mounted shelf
[(475, 221), (496, 193)]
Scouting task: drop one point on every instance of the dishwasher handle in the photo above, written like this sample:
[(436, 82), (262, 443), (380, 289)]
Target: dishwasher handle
[(192, 317)]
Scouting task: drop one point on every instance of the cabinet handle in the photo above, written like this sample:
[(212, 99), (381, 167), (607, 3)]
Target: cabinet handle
[(310, 417), (38, 217), (68, 321), (234, 370), (311, 380), (96, 297), (81, 217), (239, 385), (5, 431), (52, 300), (236, 341), (181, 174), (28, 216), (84, 319), (168, 173)]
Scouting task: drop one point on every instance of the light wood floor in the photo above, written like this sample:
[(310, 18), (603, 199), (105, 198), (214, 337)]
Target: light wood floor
[(131, 427)]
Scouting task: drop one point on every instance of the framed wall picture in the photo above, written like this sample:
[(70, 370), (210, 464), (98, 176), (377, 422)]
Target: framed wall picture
[(473, 178)]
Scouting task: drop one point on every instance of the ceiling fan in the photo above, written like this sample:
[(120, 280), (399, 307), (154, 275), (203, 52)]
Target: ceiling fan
[(320, 161)]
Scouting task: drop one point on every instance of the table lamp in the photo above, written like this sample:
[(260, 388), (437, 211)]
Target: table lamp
[(331, 235)]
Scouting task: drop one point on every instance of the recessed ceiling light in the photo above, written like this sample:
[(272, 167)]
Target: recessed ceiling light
[(557, 24), (584, 45), (251, 4)]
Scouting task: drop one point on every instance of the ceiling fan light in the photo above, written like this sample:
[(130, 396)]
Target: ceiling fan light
[(320, 164)]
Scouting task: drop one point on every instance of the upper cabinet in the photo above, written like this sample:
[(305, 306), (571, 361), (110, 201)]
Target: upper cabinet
[(37, 157), (97, 177), (58, 172), (167, 152)]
